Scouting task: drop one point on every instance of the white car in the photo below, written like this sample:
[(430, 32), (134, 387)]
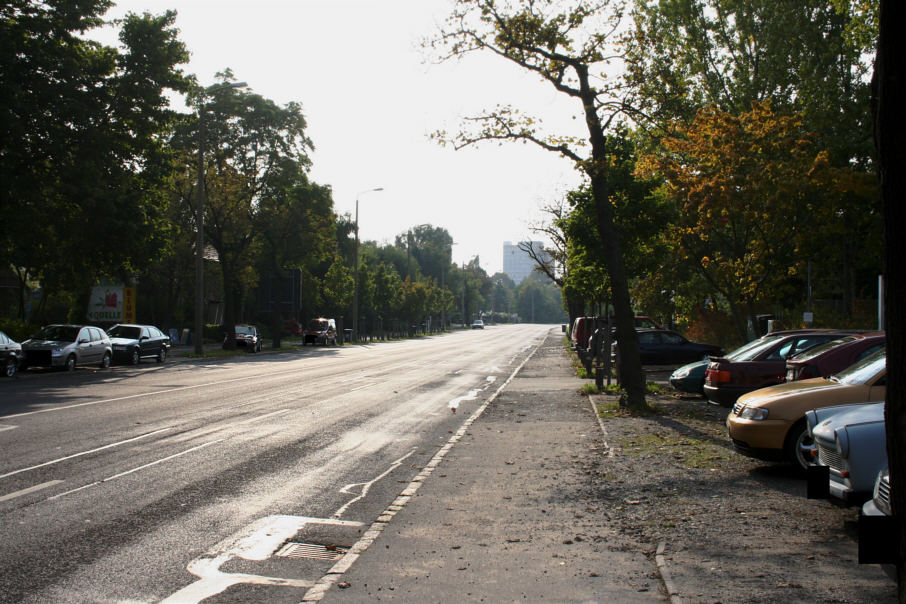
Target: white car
[(477, 324)]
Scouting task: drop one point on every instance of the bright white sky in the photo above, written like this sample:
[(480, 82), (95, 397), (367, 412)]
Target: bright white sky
[(371, 98)]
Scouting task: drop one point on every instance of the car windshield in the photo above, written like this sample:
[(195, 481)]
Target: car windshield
[(59, 333), (745, 347), (863, 371), (822, 348), (317, 324), (755, 348), (124, 331), (244, 330)]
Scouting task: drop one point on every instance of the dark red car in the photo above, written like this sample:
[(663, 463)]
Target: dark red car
[(827, 359), (763, 365)]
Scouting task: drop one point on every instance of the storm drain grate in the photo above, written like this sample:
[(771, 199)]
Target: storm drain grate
[(312, 550)]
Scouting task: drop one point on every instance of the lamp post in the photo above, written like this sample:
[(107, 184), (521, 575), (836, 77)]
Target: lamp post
[(355, 269), (199, 216)]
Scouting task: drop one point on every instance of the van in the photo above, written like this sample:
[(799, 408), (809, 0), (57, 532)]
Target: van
[(320, 331)]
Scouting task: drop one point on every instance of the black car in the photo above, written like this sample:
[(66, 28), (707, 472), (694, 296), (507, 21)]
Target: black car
[(132, 343), (665, 347), (245, 336), (10, 355)]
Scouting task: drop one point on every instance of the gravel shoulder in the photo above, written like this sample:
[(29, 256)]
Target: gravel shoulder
[(550, 495), (731, 529)]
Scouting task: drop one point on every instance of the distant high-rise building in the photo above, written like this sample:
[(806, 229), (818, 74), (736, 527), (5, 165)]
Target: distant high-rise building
[(517, 264)]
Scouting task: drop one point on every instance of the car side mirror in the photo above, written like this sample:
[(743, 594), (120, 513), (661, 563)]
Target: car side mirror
[(144, 338)]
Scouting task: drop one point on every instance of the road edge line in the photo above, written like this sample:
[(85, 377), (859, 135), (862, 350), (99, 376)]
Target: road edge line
[(322, 585)]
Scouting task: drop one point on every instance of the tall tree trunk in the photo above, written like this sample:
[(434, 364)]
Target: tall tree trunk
[(632, 376), (889, 124)]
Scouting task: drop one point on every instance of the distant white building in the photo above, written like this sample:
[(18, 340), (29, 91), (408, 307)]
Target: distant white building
[(517, 264)]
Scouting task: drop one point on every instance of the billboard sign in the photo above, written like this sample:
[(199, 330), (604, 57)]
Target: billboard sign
[(112, 304)]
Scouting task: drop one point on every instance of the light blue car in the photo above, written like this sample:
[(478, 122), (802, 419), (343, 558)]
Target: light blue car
[(851, 442)]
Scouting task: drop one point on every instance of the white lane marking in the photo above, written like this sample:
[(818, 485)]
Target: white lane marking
[(37, 487), (4, 428), (260, 417), (144, 394), (320, 588), (258, 541), (454, 404), (366, 486), (363, 387), (133, 470), (491, 379), (74, 455)]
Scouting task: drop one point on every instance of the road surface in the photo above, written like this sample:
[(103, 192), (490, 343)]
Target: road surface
[(242, 479)]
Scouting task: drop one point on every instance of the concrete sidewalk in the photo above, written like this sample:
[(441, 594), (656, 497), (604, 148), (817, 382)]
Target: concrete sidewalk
[(507, 515)]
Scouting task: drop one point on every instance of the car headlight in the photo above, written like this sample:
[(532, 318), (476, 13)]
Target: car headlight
[(56, 351), (756, 413), (680, 373)]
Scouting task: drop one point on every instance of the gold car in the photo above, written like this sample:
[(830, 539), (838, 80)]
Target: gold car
[(770, 423)]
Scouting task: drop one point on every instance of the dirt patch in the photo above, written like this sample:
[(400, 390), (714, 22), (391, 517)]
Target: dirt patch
[(731, 529)]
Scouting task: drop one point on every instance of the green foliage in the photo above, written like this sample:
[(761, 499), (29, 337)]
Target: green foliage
[(752, 191), (82, 143), (798, 54), (337, 288)]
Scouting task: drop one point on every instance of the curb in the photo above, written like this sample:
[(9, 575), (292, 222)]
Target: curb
[(332, 576), (660, 561)]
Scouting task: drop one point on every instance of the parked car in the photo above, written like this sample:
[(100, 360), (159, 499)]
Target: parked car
[(763, 365), (666, 347), (10, 355), (132, 343), (477, 324), (246, 336), (851, 441), (879, 504), (691, 377), (320, 331), (67, 346), (829, 358), (580, 332), (771, 423)]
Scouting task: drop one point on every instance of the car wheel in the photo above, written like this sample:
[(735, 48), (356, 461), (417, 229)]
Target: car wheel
[(70, 363), (799, 446), (136, 356), (162, 355), (11, 365), (105, 361)]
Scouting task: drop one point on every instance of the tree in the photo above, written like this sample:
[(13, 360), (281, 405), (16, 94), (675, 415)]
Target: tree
[(748, 188), (797, 54), (250, 142), (337, 286), (81, 142), (296, 223), (569, 45), (887, 106), (429, 246)]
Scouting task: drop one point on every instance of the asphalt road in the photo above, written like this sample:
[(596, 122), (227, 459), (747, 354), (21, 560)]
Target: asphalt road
[(172, 482)]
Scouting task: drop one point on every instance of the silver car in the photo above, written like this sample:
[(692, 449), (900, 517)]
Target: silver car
[(67, 346), (851, 441)]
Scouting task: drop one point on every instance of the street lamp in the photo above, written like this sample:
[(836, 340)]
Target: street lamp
[(199, 216), (355, 270)]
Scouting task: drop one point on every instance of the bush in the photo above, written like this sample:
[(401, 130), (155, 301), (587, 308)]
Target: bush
[(18, 330)]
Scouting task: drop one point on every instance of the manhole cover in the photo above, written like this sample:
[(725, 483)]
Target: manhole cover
[(312, 550)]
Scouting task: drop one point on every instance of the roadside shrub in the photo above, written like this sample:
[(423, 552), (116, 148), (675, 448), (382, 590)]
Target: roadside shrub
[(712, 327), (18, 330)]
